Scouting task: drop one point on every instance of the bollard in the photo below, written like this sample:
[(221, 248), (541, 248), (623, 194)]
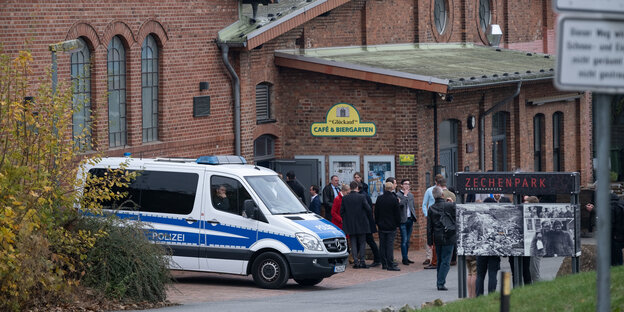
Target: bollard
[(505, 291)]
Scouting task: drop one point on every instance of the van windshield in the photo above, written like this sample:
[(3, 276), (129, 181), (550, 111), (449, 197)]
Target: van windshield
[(276, 195)]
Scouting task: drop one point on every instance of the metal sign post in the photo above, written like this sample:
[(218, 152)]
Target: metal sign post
[(590, 56)]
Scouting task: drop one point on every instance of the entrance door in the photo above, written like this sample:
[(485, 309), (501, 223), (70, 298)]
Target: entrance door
[(306, 172), (448, 149)]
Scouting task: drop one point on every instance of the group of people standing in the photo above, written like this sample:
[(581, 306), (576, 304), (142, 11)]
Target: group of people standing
[(350, 208)]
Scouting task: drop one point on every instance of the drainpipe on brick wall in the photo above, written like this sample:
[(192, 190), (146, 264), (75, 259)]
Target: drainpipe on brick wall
[(225, 48), (482, 125)]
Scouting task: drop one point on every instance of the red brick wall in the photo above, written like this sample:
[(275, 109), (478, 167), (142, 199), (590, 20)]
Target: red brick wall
[(186, 31)]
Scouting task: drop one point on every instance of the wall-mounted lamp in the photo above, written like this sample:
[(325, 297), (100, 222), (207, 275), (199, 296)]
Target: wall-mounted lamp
[(203, 85), (471, 122), (494, 34)]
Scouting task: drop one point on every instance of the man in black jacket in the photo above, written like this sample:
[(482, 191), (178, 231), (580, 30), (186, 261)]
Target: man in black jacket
[(296, 186), (388, 218), (441, 233), (356, 212)]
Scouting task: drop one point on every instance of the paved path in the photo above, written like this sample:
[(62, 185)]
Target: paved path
[(354, 290)]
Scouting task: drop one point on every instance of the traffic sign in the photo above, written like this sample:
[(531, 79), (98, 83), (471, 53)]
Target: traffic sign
[(604, 6), (590, 54)]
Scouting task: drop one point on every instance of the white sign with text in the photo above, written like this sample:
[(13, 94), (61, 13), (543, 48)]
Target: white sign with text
[(590, 54), (605, 6)]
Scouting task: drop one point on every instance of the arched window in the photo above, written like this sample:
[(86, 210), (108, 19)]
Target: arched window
[(558, 141), (263, 102), (149, 88), (500, 121), (538, 142), (448, 142), (81, 96), (264, 150), (116, 64)]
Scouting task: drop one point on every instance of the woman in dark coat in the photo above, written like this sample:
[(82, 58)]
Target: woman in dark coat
[(388, 218), (355, 212)]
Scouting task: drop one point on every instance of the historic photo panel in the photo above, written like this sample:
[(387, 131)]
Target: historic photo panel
[(549, 230), (490, 230)]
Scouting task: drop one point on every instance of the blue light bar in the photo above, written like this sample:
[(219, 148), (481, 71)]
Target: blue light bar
[(221, 160)]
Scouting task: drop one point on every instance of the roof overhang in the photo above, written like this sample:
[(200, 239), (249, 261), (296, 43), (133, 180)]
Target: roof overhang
[(284, 16), (442, 68)]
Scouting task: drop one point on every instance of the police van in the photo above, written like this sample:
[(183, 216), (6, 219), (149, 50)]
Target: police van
[(218, 214)]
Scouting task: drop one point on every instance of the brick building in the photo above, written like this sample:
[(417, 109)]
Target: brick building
[(190, 78)]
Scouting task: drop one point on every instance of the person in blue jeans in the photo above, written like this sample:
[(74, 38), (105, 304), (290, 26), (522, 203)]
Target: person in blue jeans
[(489, 265), (408, 216), (441, 233)]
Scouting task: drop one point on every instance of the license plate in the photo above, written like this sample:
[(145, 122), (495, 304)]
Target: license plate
[(339, 268)]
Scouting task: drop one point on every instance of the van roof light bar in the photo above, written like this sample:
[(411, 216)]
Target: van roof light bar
[(221, 160)]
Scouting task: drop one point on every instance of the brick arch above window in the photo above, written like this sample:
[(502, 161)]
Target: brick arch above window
[(86, 31), (120, 29), (154, 28)]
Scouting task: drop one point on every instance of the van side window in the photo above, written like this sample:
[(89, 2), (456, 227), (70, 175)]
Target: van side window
[(228, 194), (157, 191)]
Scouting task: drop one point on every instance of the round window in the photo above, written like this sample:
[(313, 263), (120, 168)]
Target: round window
[(440, 14)]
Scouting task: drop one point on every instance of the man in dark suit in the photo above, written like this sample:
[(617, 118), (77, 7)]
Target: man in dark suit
[(388, 219), (330, 191), (355, 212), (441, 215), (315, 202)]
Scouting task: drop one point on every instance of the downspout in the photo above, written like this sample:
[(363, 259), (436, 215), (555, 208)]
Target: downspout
[(225, 48), (482, 125), (435, 134)]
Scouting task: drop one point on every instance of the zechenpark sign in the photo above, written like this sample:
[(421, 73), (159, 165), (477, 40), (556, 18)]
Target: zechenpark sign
[(343, 120)]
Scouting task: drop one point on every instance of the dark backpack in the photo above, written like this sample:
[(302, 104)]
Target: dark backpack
[(448, 223)]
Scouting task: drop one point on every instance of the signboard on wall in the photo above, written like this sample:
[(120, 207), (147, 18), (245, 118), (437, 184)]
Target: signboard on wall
[(343, 120), (406, 159)]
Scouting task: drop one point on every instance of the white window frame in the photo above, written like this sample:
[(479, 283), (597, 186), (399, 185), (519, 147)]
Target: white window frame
[(378, 158)]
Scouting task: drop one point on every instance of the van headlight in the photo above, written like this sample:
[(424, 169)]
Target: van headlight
[(309, 242)]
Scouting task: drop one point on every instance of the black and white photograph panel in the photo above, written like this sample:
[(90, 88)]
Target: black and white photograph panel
[(490, 230), (549, 230)]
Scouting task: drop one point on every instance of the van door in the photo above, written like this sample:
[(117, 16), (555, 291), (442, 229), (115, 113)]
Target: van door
[(226, 235), (169, 202)]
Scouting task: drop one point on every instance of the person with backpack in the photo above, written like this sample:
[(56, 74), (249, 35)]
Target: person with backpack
[(441, 232), (617, 229)]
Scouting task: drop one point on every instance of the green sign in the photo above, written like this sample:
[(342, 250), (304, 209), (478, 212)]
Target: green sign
[(406, 159)]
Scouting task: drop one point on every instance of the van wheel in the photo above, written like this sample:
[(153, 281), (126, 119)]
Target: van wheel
[(270, 270), (308, 281)]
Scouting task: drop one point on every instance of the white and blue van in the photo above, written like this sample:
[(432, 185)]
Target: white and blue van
[(217, 214)]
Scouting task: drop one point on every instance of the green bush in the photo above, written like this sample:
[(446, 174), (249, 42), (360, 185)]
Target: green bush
[(124, 264)]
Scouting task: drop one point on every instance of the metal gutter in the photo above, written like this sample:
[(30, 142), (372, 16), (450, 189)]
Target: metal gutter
[(225, 48)]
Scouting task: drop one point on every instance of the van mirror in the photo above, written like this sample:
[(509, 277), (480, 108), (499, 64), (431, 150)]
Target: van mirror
[(250, 209)]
